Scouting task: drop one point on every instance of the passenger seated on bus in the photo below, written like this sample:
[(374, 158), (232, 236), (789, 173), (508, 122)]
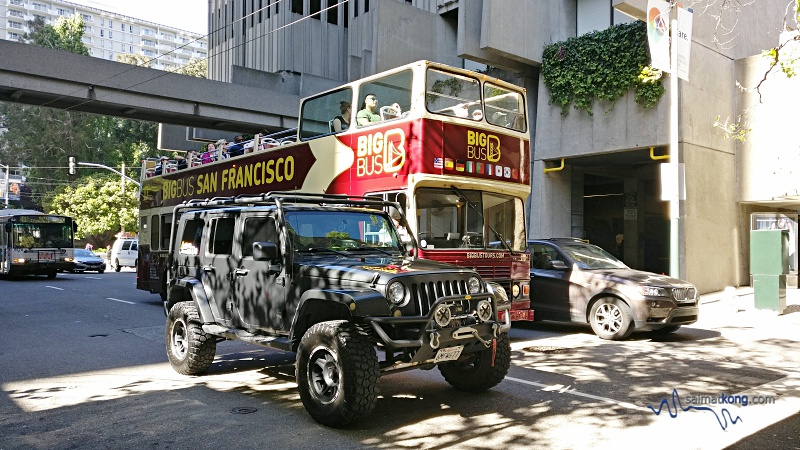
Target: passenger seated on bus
[(210, 154), (186, 161), (368, 112), (161, 167), (222, 149), (461, 110), (477, 114), (237, 148), (342, 122)]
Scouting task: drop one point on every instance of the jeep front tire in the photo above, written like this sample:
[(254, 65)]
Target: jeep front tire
[(190, 350), (476, 372), (337, 373)]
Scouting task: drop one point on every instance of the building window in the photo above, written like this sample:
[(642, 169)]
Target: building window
[(86, 18), (346, 15), (366, 6), (13, 13), (297, 6), (314, 7), (333, 12), (13, 36), (110, 23), (102, 22), (87, 29), (102, 33), (355, 8), (110, 56), (110, 34), (63, 12), (40, 17), (12, 24), (39, 7), (130, 28)]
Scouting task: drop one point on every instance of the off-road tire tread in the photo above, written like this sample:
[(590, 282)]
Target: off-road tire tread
[(202, 347), (359, 365), (483, 375)]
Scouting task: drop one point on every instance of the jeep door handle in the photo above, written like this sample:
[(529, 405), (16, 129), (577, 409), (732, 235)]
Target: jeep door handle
[(241, 272)]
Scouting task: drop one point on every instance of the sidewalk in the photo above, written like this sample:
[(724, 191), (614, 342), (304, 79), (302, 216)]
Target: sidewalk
[(734, 307)]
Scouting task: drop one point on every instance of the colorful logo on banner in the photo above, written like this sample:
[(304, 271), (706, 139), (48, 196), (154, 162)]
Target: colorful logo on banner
[(380, 152), (658, 33), (483, 154)]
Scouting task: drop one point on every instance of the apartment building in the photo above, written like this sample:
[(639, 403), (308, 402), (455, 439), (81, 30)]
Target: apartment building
[(108, 34)]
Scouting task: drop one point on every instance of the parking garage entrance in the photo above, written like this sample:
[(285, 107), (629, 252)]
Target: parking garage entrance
[(616, 204)]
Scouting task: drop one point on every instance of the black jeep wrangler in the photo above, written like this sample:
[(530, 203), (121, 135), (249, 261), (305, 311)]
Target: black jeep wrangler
[(329, 278)]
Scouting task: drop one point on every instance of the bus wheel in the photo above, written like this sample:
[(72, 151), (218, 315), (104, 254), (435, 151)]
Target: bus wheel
[(190, 350), (52, 274), (337, 373), (476, 371)]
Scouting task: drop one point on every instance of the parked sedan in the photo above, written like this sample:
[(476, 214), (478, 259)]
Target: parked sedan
[(572, 281), (87, 260)]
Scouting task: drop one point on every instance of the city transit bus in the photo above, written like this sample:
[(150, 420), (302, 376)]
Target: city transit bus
[(34, 243), (450, 145)]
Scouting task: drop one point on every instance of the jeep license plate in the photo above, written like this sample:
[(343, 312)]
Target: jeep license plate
[(448, 354)]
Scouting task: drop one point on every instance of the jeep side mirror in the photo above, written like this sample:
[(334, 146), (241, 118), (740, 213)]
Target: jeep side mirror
[(558, 265), (265, 251), (7, 227)]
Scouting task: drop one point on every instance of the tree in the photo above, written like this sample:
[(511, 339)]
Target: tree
[(195, 68), (135, 60), (65, 34), (98, 207), (42, 139)]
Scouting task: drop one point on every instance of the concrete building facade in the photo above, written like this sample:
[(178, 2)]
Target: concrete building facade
[(609, 188), (108, 34)]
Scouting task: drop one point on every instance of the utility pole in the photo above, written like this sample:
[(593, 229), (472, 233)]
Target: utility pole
[(122, 188), (8, 169)]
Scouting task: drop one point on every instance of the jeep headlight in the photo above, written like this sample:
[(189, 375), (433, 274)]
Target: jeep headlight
[(652, 291), (474, 285), (396, 293)]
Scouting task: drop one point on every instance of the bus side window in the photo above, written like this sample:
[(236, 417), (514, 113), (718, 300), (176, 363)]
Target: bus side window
[(154, 240), (166, 230)]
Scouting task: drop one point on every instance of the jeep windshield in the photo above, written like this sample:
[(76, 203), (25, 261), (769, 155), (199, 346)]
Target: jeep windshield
[(342, 232)]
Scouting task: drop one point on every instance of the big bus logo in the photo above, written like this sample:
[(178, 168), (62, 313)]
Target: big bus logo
[(381, 153), (483, 146)]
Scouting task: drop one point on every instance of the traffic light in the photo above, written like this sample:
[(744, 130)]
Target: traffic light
[(72, 165)]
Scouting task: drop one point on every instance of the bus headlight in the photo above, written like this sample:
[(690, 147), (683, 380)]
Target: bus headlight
[(396, 293), (19, 260), (514, 290), (474, 285)]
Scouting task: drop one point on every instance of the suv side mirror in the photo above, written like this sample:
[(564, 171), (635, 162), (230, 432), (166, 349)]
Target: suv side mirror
[(558, 265), (265, 251)]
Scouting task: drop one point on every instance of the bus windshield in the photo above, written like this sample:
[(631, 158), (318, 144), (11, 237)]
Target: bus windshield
[(37, 235), (460, 218)]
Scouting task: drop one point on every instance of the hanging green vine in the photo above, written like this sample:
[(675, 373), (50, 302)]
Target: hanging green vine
[(602, 65)]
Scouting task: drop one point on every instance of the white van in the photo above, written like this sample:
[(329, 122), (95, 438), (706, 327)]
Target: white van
[(124, 253)]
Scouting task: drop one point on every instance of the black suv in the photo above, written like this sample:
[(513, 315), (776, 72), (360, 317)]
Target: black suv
[(328, 278)]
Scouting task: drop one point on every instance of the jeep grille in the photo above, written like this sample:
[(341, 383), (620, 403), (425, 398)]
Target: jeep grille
[(424, 294)]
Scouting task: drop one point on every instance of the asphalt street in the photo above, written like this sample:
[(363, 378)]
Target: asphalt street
[(84, 366)]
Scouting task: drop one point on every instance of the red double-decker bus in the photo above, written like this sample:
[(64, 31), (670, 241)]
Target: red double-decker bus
[(450, 145)]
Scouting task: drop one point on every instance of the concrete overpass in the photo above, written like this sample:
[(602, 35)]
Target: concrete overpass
[(58, 79)]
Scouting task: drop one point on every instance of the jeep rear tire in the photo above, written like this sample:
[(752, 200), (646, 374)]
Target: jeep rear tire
[(190, 350), (475, 372), (337, 373)]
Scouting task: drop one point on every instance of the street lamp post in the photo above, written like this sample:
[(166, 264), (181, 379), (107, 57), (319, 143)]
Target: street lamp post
[(8, 169)]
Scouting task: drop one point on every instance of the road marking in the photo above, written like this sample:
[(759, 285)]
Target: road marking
[(93, 278), (561, 389), (121, 301), (56, 288)]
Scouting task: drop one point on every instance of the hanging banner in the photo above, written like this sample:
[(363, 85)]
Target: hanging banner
[(684, 41), (658, 33)]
